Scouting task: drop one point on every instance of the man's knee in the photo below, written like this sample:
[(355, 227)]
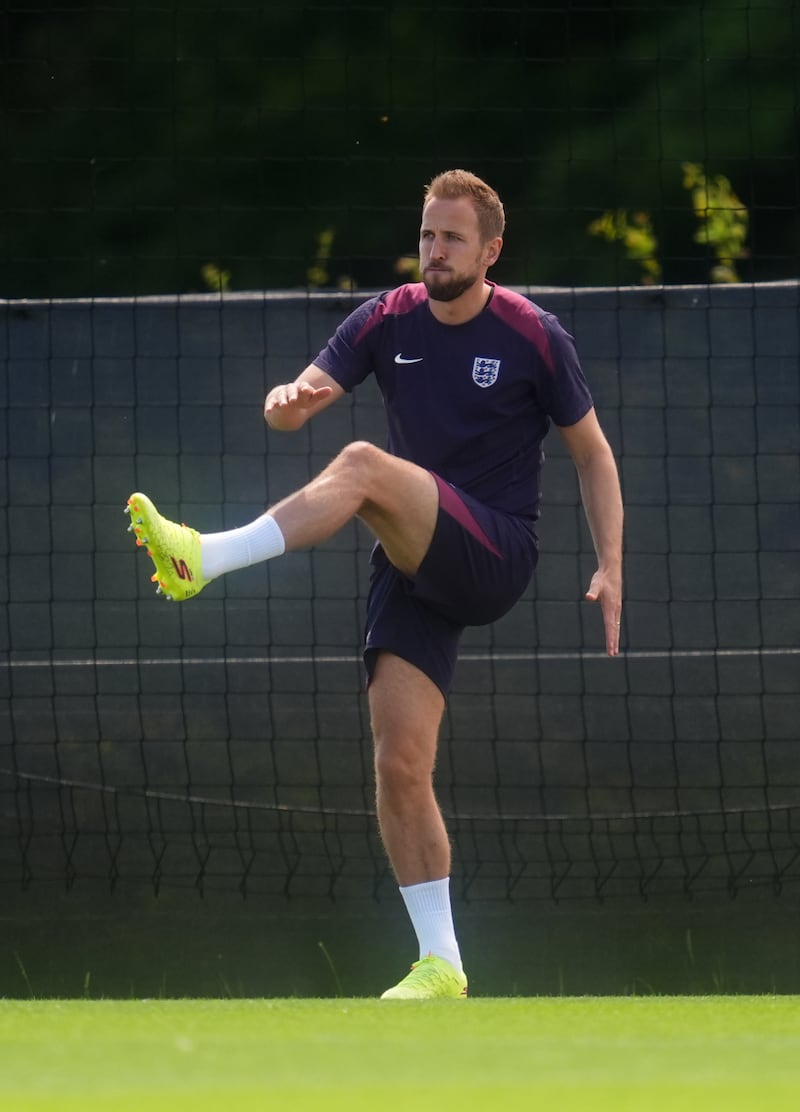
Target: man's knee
[(358, 466), (401, 771), (361, 456)]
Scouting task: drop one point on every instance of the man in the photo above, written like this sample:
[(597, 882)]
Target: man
[(472, 375)]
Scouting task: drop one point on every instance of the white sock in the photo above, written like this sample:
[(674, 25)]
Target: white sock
[(239, 548), (431, 914)]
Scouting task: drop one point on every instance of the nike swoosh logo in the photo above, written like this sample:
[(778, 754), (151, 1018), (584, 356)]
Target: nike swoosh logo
[(400, 359)]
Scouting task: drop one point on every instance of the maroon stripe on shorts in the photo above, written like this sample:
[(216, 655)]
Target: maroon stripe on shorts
[(453, 505)]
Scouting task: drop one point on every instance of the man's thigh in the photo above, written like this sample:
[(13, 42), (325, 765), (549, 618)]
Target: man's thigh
[(401, 508)]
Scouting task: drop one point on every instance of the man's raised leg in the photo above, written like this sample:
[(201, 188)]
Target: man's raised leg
[(396, 499)]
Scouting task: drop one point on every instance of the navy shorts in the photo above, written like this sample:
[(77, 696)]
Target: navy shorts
[(479, 563)]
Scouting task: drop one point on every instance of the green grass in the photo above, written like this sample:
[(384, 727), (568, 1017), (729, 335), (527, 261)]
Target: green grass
[(737, 1054)]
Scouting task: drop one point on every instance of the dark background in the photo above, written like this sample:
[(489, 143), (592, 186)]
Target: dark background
[(143, 142)]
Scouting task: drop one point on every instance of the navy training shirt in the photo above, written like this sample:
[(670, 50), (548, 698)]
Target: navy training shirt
[(471, 402)]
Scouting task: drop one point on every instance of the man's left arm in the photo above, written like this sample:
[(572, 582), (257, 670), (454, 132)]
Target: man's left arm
[(602, 504)]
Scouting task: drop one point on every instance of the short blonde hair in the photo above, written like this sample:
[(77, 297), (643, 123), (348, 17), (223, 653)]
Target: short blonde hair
[(452, 184)]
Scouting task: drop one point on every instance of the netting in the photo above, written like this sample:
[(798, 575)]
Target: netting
[(223, 743)]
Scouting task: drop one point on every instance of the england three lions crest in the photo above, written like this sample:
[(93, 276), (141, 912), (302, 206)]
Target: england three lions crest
[(485, 371)]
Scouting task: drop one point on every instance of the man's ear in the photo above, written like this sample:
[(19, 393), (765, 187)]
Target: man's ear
[(491, 251)]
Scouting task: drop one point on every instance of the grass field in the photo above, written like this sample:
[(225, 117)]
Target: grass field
[(737, 1054)]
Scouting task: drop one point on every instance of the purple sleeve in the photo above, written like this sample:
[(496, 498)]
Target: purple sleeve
[(567, 396), (347, 356)]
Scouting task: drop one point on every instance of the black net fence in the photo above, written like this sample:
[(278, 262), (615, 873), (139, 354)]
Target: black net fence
[(224, 743)]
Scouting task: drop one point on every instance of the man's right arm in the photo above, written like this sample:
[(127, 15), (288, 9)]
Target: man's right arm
[(288, 407)]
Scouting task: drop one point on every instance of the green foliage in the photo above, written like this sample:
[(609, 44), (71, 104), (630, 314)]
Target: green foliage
[(318, 274), (723, 227), (407, 267), (637, 237), (723, 220), (216, 280)]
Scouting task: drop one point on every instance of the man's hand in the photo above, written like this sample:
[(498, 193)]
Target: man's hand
[(602, 502), (288, 407), (606, 588)]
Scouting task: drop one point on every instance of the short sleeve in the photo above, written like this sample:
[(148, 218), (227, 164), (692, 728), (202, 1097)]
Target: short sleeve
[(347, 356), (568, 397)]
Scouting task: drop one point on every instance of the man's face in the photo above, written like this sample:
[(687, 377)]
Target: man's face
[(452, 257)]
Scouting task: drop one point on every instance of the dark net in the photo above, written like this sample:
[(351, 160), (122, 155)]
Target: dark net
[(224, 742)]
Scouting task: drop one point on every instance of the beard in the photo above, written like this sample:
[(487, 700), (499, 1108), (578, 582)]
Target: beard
[(447, 288)]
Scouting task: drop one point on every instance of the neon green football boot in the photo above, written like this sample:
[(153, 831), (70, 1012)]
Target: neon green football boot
[(173, 548), (430, 977)]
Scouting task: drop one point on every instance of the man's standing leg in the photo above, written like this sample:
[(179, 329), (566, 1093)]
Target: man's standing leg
[(406, 709)]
